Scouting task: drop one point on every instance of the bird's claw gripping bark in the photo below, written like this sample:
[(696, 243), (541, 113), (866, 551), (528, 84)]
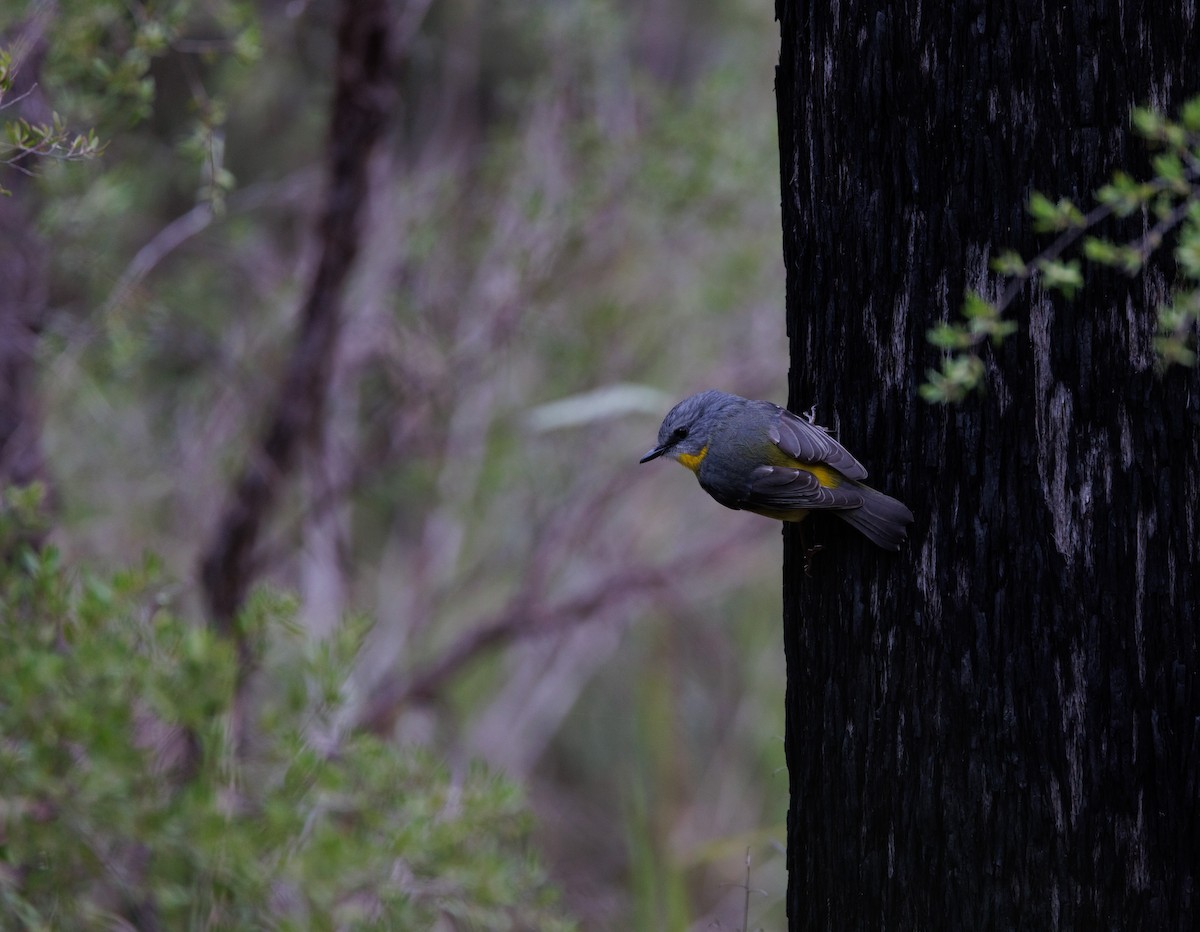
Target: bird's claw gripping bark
[(808, 556)]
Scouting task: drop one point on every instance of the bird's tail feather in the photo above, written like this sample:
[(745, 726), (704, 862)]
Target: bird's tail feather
[(882, 519)]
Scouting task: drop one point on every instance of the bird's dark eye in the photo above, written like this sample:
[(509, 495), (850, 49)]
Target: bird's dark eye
[(679, 433)]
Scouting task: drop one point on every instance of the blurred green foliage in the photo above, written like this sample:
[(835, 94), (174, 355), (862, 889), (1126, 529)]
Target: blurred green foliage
[(1169, 202), (102, 688), (577, 194)]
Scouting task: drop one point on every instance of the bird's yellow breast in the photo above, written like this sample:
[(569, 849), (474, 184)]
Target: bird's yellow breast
[(693, 460)]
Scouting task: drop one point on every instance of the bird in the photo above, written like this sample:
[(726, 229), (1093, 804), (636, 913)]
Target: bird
[(756, 456)]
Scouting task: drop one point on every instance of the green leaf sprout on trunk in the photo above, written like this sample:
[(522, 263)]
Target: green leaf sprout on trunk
[(1170, 199)]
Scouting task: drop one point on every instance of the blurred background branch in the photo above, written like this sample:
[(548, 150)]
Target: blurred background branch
[(362, 100), (24, 292)]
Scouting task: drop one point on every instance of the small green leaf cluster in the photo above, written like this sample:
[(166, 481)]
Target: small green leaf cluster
[(1169, 201), (102, 51), (22, 139), (125, 796), (963, 369), (51, 140), (99, 71), (204, 146)]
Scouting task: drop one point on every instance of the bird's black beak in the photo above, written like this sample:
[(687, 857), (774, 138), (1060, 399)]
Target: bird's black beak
[(653, 454)]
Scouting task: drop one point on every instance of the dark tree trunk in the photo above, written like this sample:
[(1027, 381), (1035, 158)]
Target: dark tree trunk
[(23, 286), (22, 307), (1000, 727)]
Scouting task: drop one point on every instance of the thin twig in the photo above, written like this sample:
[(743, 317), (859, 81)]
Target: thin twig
[(194, 222), (1153, 237)]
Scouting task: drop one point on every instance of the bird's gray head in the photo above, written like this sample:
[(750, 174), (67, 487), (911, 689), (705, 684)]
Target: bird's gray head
[(687, 428)]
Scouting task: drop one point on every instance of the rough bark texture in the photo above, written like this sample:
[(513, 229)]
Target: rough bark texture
[(1000, 727), (363, 99)]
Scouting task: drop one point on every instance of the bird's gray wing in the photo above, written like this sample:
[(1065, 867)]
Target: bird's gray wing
[(812, 444), (782, 488)]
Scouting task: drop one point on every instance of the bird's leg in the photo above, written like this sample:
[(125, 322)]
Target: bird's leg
[(808, 557), (811, 417)]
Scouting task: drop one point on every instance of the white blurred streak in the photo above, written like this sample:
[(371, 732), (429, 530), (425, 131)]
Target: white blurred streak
[(601, 404)]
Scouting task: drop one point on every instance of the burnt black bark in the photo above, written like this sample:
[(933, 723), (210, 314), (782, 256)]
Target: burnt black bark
[(1000, 727)]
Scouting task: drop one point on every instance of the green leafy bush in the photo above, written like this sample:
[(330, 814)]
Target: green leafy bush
[(127, 798)]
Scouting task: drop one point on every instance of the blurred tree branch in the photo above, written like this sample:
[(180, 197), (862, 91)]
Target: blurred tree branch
[(528, 614), (361, 107), (194, 221), (23, 284)]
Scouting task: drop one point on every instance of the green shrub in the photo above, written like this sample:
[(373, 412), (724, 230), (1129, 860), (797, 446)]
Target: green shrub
[(126, 798)]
